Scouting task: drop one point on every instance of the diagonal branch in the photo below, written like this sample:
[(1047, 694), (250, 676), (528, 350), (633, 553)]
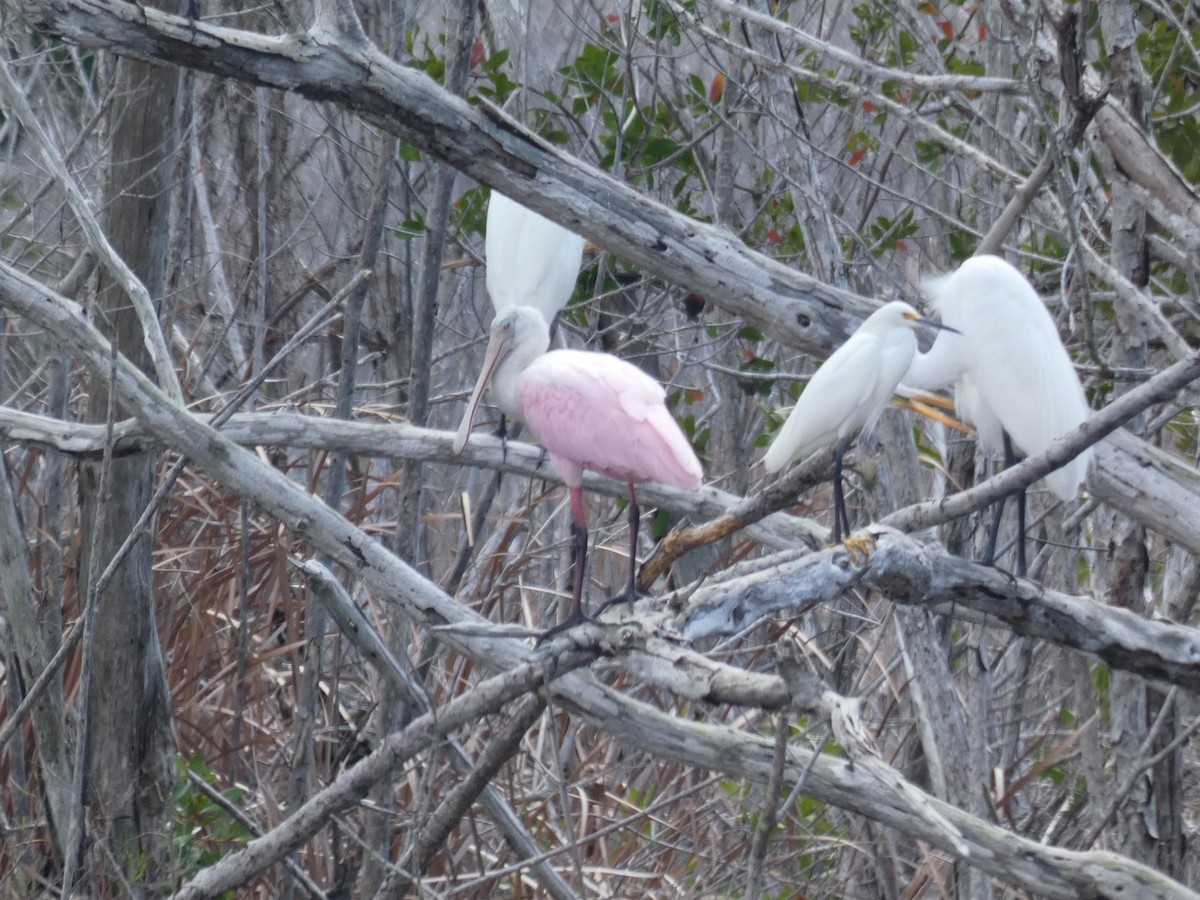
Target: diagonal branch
[(485, 144), (143, 304), (1163, 386), (916, 574)]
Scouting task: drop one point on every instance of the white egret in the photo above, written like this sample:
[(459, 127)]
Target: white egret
[(531, 261), (847, 394), (1012, 376)]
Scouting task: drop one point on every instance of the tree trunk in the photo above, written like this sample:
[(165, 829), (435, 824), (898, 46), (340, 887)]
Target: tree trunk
[(130, 760)]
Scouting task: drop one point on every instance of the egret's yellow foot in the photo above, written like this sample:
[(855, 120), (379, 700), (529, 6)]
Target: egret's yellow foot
[(926, 404), (859, 546)]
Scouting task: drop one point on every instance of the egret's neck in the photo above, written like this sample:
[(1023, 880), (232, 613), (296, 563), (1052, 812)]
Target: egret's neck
[(937, 369)]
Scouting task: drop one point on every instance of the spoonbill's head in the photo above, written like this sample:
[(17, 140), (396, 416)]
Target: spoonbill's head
[(518, 337)]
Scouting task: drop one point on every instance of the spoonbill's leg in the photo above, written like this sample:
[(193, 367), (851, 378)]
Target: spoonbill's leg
[(630, 594), (579, 538)]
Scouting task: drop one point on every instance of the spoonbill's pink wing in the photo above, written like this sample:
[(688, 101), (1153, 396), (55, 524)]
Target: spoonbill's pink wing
[(595, 411)]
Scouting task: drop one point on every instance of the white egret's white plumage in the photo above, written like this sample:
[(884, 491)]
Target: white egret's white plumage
[(531, 261), (847, 393), (1008, 366), (850, 390)]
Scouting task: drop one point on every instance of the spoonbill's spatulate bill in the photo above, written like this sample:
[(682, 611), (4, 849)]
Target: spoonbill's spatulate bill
[(590, 411)]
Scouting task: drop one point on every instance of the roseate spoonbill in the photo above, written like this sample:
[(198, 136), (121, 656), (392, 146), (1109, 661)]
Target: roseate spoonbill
[(590, 411), (847, 394), (1012, 377)]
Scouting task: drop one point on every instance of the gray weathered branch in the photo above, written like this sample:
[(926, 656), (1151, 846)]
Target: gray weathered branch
[(485, 144), (909, 572)]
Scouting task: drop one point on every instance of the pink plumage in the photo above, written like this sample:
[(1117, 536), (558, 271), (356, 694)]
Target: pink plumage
[(594, 411), (590, 411)]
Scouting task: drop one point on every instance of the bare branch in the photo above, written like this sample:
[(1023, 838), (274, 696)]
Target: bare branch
[(152, 335)]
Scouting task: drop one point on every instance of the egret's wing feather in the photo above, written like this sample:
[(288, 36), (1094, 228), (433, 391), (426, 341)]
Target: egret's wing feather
[(1017, 374), (531, 260), (831, 406)]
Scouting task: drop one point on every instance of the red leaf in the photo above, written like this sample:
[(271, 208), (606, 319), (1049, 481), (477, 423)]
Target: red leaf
[(716, 90), (774, 237), (856, 157), (477, 54), (947, 29), (868, 106)]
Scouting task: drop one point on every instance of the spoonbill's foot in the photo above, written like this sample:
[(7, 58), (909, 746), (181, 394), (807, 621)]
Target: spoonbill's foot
[(859, 546), (629, 595), (574, 620)]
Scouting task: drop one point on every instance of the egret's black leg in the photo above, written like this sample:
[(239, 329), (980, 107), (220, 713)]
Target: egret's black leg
[(989, 552), (841, 521), (1010, 460)]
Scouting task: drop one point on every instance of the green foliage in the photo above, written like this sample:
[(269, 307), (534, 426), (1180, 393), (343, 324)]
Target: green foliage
[(870, 23), (930, 152), (204, 831), (413, 226), (595, 72), (1102, 682), (1176, 127), (697, 438), (663, 24), (962, 245), (773, 419), (889, 234), (1183, 427), (493, 81), (753, 364), (925, 451), (470, 211), (651, 138), (661, 525), (424, 56), (776, 230)]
